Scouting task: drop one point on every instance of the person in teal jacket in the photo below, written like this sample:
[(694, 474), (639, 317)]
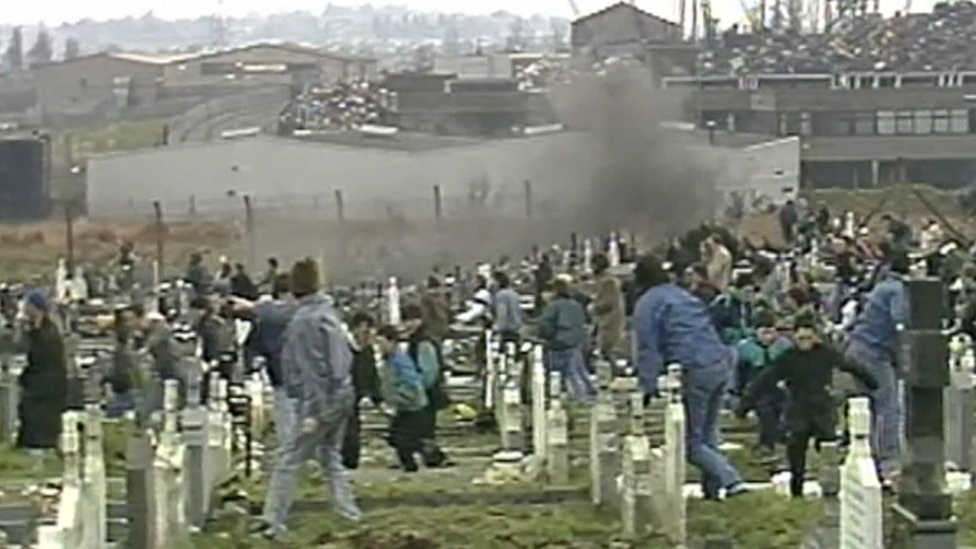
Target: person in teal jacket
[(755, 353), (405, 399)]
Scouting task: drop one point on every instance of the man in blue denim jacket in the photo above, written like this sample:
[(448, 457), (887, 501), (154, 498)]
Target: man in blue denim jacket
[(874, 344), (674, 327), (316, 369)]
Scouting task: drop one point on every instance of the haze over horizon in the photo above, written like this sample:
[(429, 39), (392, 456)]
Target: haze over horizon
[(56, 12)]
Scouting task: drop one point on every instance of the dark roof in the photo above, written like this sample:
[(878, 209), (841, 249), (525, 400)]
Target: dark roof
[(621, 5), (402, 141)]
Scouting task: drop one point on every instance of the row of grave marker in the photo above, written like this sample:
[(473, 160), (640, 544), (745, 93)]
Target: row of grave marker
[(643, 483), (170, 480)]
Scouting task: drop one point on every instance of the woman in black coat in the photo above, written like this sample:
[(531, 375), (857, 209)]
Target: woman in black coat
[(44, 382)]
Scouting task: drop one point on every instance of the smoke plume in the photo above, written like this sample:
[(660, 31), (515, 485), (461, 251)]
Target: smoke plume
[(641, 176)]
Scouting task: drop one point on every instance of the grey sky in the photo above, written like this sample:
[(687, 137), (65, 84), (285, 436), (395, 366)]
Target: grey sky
[(57, 11)]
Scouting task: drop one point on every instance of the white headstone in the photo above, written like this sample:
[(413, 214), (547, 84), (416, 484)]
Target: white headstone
[(94, 494), (393, 302), (539, 406), (860, 491), (613, 250), (587, 256), (673, 501), (557, 446), (604, 451)]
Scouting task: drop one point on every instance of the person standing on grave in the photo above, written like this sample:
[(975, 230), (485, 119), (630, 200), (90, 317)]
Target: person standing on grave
[(562, 326), (241, 284), (271, 319), (316, 362), (788, 218), (197, 275), (674, 327), (270, 275), (755, 353), (807, 370), (436, 311), (607, 307), (405, 399), (543, 277), (365, 380), (507, 310), (428, 357), (44, 382), (718, 262), (124, 377), (874, 343)]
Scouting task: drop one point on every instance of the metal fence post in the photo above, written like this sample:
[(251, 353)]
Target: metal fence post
[(160, 241), (249, 229), (528, 199)]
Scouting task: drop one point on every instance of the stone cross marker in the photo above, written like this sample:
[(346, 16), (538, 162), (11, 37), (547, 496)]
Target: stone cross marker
[(960, 407), (169, 467), (393, 302), (557, 430), (197, 439), (923, 513), (860, 492), (94, 493), (538, 405), (635, 505), (673, 507), (604, 449)]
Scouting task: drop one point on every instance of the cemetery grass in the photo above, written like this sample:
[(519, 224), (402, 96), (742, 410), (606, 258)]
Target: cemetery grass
[(19, 470), (756, 521)]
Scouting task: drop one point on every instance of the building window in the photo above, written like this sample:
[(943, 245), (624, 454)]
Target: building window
[(904, 122), (886, 122), (864, 123), (940, 121), (959, 122), (923, 121), (806, 127)]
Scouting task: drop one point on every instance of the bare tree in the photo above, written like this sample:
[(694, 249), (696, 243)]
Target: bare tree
[(43, 49), (72, 48), (15, 50)]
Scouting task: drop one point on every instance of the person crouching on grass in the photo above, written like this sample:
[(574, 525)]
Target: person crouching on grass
[(405, 399), (807, 370)]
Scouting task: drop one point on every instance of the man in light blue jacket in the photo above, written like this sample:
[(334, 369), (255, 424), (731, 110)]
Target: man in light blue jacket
[(316, 362), (674, 327), (874, 343)]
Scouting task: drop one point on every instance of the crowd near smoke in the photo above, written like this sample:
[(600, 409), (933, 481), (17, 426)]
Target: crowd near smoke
[(640, 174)]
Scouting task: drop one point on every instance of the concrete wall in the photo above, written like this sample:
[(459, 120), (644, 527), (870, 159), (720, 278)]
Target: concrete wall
[(770, 171), (297, 177), (283, 173)]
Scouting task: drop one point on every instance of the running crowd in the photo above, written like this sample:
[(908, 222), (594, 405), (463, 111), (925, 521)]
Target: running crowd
[(757, 330)]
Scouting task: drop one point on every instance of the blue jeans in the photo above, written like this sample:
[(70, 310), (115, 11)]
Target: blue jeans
[(704, 391), (122, 403), (285, 411), (576, 379), (325, 443), (886, 409)]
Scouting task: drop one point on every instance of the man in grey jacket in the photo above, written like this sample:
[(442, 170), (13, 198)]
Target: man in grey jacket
[(316, 362)]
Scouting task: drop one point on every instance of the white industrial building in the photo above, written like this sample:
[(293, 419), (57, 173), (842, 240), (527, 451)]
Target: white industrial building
[(377, 176)]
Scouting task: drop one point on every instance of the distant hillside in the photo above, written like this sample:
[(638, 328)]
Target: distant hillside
[(370, 30)]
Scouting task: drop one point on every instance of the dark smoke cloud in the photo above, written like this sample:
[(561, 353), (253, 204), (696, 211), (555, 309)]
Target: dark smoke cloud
[(642, 177)]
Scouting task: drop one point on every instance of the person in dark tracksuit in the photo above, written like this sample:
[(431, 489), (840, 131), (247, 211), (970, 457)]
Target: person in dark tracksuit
[(44, 382), (365, 381), (807, 369), (425, 352), (405, 399)]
